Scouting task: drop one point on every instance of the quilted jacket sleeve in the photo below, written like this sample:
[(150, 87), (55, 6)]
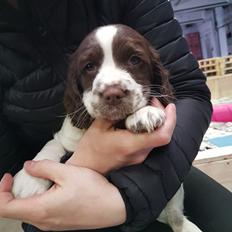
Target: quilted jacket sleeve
[(8, 147), (23, 83), (147, 187), (10, 150)]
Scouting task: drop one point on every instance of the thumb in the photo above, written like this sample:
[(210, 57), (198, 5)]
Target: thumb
[(155, 102), (170, 121), (170, 112), (6, 183), (163, 134), (46, 169), (102, 124)]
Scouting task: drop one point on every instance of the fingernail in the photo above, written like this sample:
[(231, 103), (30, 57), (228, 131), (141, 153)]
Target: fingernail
[(4, 176), (154, 100), (29, 163), (172, 105)]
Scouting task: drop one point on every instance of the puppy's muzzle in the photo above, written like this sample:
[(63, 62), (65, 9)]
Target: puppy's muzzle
[(113, 95)]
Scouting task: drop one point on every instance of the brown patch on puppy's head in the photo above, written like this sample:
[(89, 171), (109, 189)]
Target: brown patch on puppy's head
[(83, 68), (134, 53)]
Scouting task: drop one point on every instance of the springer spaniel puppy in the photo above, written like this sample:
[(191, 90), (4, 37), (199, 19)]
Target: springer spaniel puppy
[(114, 74)]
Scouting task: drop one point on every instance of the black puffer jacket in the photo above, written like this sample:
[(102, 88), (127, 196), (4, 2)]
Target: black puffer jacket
[(35, 39)]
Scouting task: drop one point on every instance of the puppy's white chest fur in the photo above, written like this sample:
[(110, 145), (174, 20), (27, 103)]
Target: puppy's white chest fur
[(69, 135)]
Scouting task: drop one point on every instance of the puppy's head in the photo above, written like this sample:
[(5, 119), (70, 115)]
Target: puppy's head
[(113, 73)]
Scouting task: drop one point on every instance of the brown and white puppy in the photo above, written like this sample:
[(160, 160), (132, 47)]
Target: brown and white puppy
[(114, 74)]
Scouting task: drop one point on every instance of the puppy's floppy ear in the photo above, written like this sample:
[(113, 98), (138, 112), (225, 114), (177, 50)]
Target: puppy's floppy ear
[(160, 79), (73, 95)]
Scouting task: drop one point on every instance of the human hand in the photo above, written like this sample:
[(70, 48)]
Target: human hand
[(102, 148), (79, 199)]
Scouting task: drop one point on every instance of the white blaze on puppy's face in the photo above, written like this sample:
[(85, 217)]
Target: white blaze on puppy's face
[(109, 74)]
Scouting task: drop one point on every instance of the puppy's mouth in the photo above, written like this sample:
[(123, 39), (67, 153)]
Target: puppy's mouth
[(113, 112), (114, 102)]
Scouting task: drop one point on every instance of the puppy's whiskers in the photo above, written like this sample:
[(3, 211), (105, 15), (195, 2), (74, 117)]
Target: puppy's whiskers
[(80, 107), (81, 121), (76, 111), (155, 87), (80, 118)]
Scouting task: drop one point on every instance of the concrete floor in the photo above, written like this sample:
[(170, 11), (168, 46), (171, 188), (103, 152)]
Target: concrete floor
[(10, 226)]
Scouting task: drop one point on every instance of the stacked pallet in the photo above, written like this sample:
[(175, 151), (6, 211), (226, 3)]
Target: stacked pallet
[(226, 65), (218, 71), (218, 66), (211, 67)]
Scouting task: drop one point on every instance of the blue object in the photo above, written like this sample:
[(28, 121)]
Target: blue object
[(222, 141)]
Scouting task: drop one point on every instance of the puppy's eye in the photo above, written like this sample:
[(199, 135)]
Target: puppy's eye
[(90, 67), (135, 60)]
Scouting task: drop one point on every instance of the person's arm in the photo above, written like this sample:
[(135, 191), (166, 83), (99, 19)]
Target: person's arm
[(9, 147), (78, 193), (28, 113), (147, 187), (11, 152), (74, 202)]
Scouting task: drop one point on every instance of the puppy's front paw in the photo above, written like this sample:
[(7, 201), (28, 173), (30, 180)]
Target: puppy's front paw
[(147, 119), (25, 185)]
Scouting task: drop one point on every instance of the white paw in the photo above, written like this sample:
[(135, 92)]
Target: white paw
[(25, 185), (188, 226), (147, 119)]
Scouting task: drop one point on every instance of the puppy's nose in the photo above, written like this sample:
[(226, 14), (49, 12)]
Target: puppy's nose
[(113, 94)]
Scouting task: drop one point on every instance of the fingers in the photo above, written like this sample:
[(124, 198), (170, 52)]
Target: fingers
[(163, 135), (46, 169), (6, 183), (170, 122), (155, 102), (32, 208), (24, 209), (102, 124), (159, 137), (20, 209), (9, 207)]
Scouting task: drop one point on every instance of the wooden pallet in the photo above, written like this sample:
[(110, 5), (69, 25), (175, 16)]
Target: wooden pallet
[(211, 67), (226, 65), (220, 86)]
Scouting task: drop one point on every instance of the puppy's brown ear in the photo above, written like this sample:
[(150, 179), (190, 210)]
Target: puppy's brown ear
[(73, 96), (160, 79)]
